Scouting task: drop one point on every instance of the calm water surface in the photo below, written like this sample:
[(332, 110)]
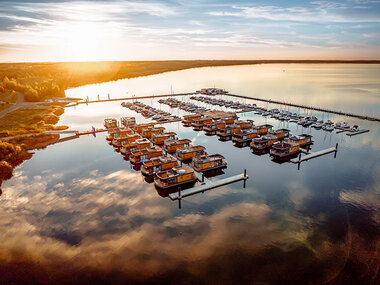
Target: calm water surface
[(80, 212)]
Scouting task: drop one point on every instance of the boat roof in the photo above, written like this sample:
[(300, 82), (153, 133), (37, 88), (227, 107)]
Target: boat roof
[(147, 150), (177, 142), (264, 126), (208, 158), (191, 149), (284, 145), (159, 160), (281, 130), (175, 172)]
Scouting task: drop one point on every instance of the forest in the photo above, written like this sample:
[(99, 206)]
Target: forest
[(41, 81)]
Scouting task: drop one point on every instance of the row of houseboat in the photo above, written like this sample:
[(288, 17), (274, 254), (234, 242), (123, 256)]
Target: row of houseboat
[(159, 153), (149, 112), (282, 115)]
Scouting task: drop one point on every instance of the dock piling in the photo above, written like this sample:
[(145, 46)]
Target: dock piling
[(336, 150)]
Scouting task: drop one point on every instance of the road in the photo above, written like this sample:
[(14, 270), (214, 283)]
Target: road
[(20, 103)]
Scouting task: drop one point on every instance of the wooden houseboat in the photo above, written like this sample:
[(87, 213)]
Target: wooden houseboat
[(244, 136), (158, 164), (159, 139), (128, 121), (230, 120), (198, 124), (244, 124), (120, 141), (140, 156), (148, 132), (303, 140), (139, 127), (175, 177), (110, 123), (263, 129), (138, 144), (205, 163), (263, 143), (281, 133), (227, 132), (188, 119), (211, 128), (111, 133), (122, 133), (187, 153), (285, 150), (172, 145)]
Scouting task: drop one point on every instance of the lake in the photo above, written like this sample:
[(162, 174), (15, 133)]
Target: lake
[(78, 211)]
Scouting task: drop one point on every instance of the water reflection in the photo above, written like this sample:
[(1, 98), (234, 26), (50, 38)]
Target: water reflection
[(81, 206)]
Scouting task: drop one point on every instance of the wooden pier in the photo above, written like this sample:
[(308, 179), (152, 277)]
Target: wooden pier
[(208, 185), (362, 117), (311, 155)]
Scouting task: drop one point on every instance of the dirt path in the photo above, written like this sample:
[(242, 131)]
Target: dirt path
[(20, 102)]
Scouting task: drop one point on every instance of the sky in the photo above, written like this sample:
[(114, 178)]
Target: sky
[(46, 30)]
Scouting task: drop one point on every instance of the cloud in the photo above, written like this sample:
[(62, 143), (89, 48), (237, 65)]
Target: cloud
[(375, 35)]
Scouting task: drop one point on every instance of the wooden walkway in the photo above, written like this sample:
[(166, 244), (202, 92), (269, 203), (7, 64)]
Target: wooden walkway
[(208, 185)]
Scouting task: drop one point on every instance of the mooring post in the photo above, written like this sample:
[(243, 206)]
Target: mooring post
[(336, 150), (245, 177), (203, 178), (179, 197), (109, 98), (98, 98)]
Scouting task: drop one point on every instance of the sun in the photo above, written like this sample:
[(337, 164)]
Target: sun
[(83, 41)]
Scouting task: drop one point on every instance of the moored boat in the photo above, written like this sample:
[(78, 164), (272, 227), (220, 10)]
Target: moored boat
[(139, 127), (303, 140), (140, 156), (285, 150), (244, 136), (110, 123), (172, 145), (149, 131), (158, 164), (281, 133), (175, 177), (211, 128), (120, 141), (263, 129), (187, 119), (187, 153), (244, 124), (138, 144), (227, 132), (128, 121), (198, 124), (205, 163), (121, 134), (263, 143), (159, 139)]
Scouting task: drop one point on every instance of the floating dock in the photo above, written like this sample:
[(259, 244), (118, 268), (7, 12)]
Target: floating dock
[(208, 185), (357, 133), (311, 155)]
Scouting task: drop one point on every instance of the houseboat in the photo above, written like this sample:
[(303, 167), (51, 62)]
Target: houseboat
[(244, 136), (227, 132), (159, 139), (187, 119), (138, 144), (128, 121), (281, 133), (172, 145), (139, 127), (263, 143), (263, 129), (244, 124), (205, 163), (140, 156), (285, 150), (198, 124), (158, 164), (175, 177), (303, 140), (120, 141), (148, 132), (110, 123), (211, 128), (230, 120), (187, 153), (122, 133)]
